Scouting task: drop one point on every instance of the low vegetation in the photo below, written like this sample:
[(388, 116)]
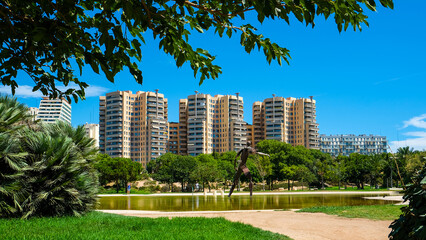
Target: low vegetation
[(374, 212), (45, 169), (98, 225)]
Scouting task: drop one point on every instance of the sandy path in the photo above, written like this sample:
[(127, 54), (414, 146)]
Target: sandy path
[(299, 226)]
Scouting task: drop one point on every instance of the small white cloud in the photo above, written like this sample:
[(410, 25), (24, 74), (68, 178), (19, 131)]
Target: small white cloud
[(418, 122), (416, 140), (95, 91), (25, 91), (418, 143)]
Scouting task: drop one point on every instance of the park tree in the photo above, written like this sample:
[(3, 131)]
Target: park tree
[(49, 40), (206, 170), (377, 164), (226, 165), (182, 168), (304, 174), (264, 167), (119, 170), (278, 154), (162, 168), (296, 156), (321, 164), (357, 169), (337, 171)]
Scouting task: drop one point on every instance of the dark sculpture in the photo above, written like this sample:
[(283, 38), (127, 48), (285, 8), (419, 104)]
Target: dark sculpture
[(242, 168)]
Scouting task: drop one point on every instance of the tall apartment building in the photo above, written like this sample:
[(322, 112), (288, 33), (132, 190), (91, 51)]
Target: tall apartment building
[(133, 125), (211, 124), (92, 131), (250, 136), (290, 120), (51, 110), (173, 143), (350, 143)]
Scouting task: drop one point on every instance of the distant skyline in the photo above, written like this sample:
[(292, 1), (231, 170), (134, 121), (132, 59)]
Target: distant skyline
[(369, 82)]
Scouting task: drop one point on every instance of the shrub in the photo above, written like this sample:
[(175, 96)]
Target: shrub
[(411, 224), (45, 170)]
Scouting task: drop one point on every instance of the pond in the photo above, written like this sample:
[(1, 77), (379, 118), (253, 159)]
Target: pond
[(236, 202)]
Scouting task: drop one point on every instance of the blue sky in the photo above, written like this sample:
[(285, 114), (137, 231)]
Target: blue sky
[(369, 82)]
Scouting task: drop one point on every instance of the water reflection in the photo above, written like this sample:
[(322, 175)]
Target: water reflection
[(236, 202)]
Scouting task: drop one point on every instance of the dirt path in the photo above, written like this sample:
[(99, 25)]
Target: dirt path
[(299, 226)]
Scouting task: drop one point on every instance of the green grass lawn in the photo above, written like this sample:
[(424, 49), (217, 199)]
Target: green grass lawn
[(375, 212), (97, 225)]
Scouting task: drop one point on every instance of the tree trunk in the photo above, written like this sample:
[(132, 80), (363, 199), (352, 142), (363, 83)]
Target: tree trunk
[(322, 181), (358, 185), (117, 185), (288, 184)]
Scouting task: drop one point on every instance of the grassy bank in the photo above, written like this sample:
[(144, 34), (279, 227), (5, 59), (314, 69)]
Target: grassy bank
[(98, 225), (374, 212)]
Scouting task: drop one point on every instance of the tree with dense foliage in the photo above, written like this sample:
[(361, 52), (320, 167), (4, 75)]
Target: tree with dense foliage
[(357, 169), (264, 167), (182, 168), (411, 224), (120, 170), (206, 170), (46, 39), (45, 170), (162, 168)]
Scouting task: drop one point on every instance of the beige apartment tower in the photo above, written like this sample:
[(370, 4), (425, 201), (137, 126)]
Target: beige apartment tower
[(133, 125), (211, 124), (287, 120), (173, 143)]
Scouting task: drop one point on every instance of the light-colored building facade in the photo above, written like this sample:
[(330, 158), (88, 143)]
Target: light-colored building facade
[(33, 111), (92, 131), (250, 133), (210, 124), (51, 110), (290, 120), (350, 143), (173, 143), (133, 125)]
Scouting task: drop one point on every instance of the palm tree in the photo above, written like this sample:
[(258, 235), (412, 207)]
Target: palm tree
[(12, 158), (45, 170), (60, 172), (12, 114)]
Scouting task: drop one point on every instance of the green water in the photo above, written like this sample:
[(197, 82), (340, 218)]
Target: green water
[(236, 202)]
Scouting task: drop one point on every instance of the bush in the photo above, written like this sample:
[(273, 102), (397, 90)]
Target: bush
[(411, 224)]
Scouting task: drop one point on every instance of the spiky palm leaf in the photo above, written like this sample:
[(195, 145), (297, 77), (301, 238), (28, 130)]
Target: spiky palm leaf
[(61, 179), (12, 158), (12, 114)]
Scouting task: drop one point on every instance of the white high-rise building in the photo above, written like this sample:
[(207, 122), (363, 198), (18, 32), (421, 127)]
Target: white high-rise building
[(92, 131), (51, 110), (33, 111), (345, 144)]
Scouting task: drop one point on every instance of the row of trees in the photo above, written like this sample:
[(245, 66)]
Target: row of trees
[(288, 163)]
